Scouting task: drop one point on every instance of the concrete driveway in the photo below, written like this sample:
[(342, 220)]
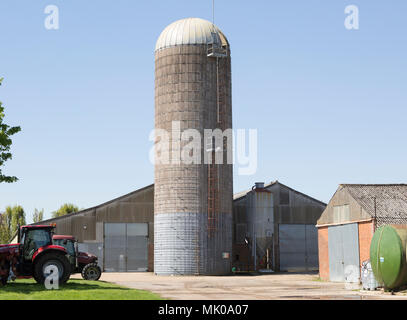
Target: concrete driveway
[(243, 287)]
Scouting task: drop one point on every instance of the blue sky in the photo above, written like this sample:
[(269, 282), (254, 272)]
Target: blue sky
[(329, 104)]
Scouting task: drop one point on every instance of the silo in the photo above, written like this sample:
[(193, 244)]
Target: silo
[(192, 201), (260, 225)]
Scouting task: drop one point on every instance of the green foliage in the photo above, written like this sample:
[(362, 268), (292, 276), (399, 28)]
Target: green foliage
[(66, 208), (9, 222), (73, 290), (4, 230), (5, 143), (38, 215)]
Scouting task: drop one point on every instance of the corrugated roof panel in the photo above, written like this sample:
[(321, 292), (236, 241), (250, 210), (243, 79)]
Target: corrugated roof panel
[(381, 200)]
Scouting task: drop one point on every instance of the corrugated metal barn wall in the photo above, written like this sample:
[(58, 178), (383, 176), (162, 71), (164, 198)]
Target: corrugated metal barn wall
[(340, 198), (82, 225), (88, 225), (291, 208), (242, 257)]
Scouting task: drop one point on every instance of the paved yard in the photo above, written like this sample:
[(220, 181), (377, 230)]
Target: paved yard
[(243, 287)]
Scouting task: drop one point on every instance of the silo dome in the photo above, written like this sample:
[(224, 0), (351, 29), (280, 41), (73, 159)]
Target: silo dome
[(190, 31)]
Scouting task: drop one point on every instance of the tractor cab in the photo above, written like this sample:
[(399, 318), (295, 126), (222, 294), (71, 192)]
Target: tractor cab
[(32, 238), (71, 246), (81, 262)]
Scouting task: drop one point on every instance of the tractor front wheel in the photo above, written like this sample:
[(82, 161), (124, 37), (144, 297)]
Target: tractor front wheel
[(52, 259), (91, 272)]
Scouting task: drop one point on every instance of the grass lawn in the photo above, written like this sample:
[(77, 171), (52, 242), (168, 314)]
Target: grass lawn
[(73, 290)]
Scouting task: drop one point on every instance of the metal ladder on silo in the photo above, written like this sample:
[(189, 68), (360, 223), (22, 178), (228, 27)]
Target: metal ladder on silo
[(217, 51), (213, 195)]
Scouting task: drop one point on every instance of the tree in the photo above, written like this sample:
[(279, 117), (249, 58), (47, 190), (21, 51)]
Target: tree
[(66, 208), (9, 222), (38, 215), (5, 143), (4, 228)]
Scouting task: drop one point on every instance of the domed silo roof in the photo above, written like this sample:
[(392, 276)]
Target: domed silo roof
[(190, 31)]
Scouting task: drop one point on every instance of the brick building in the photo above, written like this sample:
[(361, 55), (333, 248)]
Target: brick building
[(347, 225)]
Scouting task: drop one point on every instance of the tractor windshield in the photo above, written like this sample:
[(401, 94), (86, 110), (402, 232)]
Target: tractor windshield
[(68, 245), (40, 237)]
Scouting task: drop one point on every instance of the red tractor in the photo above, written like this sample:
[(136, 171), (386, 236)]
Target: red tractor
[(81, 262), (31, 256)]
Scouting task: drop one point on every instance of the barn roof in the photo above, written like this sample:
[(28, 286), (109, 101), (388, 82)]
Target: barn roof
[(386, 202), (242, 194), (100, 205)]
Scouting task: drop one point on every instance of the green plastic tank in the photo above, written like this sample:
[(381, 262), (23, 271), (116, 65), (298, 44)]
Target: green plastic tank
[(388, 256)]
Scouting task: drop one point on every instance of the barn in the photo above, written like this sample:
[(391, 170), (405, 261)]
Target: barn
[(121, 231), (274, 228), (347, 225)]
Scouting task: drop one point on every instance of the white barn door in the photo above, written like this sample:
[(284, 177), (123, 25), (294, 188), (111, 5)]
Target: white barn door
[(343, 246)]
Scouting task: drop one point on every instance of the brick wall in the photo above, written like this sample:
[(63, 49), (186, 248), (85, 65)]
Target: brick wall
[(365, 237), (323, 253)]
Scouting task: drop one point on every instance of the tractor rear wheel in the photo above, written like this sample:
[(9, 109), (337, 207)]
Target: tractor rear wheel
[(52, 259), (91, 272)]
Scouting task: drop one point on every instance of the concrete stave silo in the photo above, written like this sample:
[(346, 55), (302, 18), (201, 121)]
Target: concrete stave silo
[(193, 202)]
